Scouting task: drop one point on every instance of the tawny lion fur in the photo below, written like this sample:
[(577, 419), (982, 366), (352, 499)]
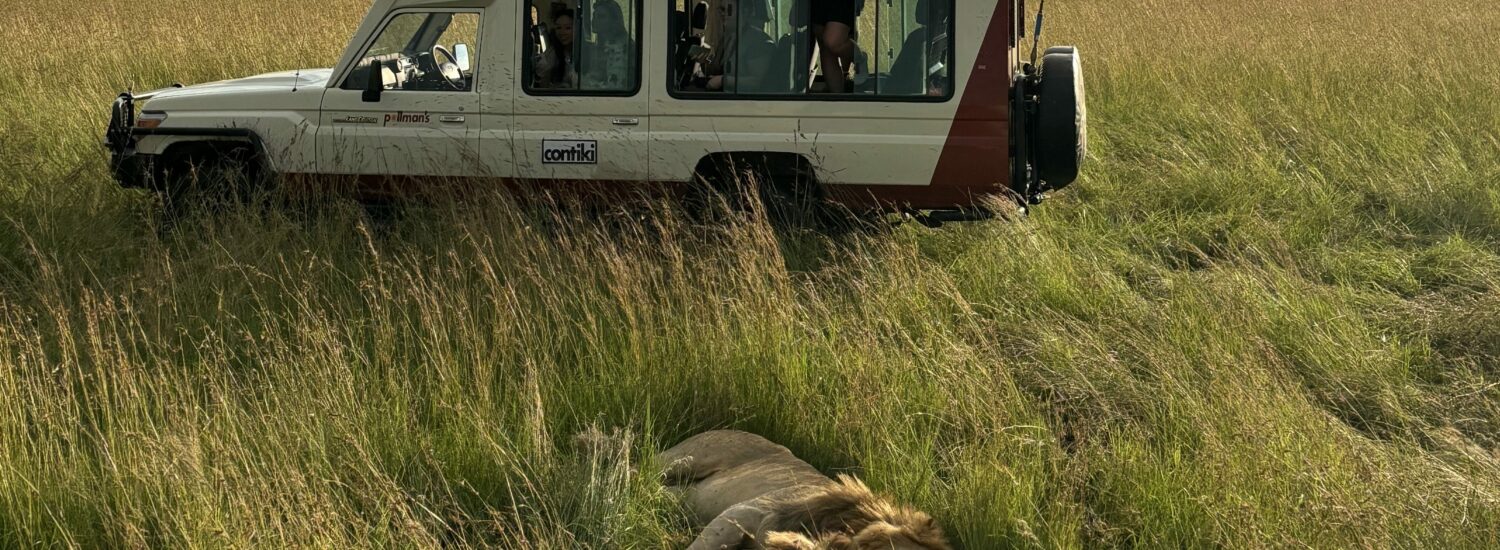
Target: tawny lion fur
[(754, 494)]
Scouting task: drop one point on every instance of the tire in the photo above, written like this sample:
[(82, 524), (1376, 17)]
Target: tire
[(791, 197), (783, 191), (1062, 119), (207, 178)]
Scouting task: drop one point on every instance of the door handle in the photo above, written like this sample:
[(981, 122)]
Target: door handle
[(451, 119), (626, 122)]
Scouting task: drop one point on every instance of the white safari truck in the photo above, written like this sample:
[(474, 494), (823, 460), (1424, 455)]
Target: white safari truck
[(915, 105)]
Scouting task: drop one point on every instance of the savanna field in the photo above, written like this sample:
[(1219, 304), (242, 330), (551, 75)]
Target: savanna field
[(1269, 316)]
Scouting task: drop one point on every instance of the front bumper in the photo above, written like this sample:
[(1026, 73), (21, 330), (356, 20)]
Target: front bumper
[(136, 170), (130, 169)]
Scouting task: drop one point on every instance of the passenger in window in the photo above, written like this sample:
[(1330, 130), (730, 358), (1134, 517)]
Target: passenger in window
[(554, 67), (833, 25), (689, 46), (722, 42), (749, 69), (609, 64)]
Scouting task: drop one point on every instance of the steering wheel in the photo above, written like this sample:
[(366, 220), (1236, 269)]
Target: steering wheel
[(457, 75)]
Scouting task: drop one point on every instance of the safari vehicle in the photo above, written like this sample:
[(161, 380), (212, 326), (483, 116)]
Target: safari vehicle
[(940, 107)]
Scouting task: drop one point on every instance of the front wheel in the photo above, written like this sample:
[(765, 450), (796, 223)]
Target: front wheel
[(210, 178)]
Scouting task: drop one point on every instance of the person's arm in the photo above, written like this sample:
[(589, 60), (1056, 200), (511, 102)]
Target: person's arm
[(570, 79), (542, 64)]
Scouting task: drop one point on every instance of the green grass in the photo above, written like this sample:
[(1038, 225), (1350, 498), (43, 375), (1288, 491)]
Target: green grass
[(1269, 315)]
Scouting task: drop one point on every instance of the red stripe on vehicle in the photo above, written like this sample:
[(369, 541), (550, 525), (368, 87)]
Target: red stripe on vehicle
[(977, 152)]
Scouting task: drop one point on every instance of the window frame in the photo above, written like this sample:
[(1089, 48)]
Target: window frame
[(527, 70), (672, 90), (385, 24), (1019, 23)]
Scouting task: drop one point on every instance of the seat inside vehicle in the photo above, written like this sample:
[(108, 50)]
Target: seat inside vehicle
[(924, 54)]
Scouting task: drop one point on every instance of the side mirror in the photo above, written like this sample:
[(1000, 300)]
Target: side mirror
[(461, 52), (375, 83)]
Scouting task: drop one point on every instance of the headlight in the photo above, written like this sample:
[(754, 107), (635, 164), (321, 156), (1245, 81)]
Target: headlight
[(150, 119)]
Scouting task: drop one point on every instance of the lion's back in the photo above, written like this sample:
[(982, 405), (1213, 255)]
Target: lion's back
[(722, 449), (727, 468)]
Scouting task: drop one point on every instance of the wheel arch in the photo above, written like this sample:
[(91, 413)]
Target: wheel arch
[(184, 148), (175, 142), (715, 167)]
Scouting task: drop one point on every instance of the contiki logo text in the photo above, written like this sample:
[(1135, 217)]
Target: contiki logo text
[(570, 152), (408, 118)]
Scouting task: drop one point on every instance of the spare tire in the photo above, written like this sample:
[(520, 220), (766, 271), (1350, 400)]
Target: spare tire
[(1062, 119)]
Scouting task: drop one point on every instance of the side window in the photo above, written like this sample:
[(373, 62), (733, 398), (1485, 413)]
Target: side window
[(745, 47), (422, 52), (801, 48), (581, 46)]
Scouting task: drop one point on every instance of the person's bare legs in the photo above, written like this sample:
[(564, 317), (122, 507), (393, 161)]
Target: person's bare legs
[(837, 53)]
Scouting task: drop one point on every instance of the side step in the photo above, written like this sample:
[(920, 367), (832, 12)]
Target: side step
[(937, 218)]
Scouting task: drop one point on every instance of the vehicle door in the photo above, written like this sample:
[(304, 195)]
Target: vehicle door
[(894, 121), (581, 114), (421, 116)]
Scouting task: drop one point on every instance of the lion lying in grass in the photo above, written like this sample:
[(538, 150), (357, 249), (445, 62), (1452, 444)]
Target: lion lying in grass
[(752, 493)]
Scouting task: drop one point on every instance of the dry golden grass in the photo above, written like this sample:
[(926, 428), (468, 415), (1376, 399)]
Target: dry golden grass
[(1268, 316)]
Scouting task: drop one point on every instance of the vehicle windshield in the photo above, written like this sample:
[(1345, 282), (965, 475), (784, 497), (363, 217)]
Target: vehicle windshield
[(422, 52), (404, 33)]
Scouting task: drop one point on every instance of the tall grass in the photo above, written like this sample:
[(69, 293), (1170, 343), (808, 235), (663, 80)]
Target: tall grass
[(1269, 316)]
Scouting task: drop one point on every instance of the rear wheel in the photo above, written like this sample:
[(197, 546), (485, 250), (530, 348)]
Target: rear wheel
[(783, 190), (791, 197)]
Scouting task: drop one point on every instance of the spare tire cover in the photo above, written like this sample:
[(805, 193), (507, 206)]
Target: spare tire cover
[(1062, 119)]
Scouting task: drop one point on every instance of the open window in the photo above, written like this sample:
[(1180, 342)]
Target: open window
[(585, 47), (813, 49), (421, 52)]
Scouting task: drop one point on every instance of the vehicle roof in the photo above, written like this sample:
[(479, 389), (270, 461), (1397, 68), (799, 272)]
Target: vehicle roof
[(382, 6)]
